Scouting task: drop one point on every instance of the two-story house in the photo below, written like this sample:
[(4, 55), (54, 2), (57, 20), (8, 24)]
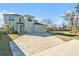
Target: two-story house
[(23, 23)]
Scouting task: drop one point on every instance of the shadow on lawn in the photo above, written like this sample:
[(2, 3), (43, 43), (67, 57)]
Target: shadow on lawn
[(17, 50)]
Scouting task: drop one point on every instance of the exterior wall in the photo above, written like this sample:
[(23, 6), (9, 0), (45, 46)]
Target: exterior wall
[(40, 28), (6, 21), (25, 25), (20, 28), (12, 23), (29, 24), (17, 26)]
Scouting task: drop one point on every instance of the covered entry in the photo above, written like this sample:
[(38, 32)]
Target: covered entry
[(20, 28)]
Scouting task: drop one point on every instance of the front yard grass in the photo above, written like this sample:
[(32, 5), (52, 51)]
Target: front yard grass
[(64, 37), (67, 38), (5, 49), (69, 32), (4, 46), (0, 34)]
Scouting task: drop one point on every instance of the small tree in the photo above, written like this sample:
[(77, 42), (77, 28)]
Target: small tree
[(6, 28)]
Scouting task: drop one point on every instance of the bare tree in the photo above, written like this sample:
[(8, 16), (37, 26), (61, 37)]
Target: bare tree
[(70, 16), (6, 28), (47, 21)]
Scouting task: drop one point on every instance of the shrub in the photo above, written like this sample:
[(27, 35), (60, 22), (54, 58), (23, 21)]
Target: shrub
[(15, 32), (10, 32)]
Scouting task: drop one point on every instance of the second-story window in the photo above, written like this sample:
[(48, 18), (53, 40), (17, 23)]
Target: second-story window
[(29, 19), (19, 19), (11, 18)]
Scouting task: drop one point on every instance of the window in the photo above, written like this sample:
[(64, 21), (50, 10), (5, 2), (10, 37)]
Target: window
[(29, 19), (19, 19), (11, 18)]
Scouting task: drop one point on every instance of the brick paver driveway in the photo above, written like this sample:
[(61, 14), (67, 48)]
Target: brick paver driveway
[(31, 44)]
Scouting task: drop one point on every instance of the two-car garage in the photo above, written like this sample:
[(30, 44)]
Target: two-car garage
[(38, 27)]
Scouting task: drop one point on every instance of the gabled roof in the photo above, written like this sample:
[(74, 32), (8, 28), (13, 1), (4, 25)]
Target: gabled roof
[(13, 14), (29, 15), (19, 15)]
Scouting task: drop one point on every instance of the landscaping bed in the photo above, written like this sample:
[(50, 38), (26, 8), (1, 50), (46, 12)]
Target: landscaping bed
[(13, 36)]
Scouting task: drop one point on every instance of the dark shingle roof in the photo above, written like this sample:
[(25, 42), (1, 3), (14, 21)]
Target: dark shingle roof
[(29, 15), (40, 24), (13, 14)]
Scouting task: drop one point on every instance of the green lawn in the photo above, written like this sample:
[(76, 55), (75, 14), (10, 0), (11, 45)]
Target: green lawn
[(4, 45), (64, 37), (0, 34), (67, 32), (67, 38), (5, 49)]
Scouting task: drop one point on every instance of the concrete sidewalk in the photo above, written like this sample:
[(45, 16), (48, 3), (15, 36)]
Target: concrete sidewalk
[(70, 48)]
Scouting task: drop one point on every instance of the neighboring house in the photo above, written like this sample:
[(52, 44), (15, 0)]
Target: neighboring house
[(23, 24)]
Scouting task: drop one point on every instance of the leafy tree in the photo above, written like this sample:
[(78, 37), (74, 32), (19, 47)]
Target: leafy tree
[(6, 27)]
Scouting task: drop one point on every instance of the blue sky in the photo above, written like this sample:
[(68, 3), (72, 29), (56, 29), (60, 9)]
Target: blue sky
[(51, 11)]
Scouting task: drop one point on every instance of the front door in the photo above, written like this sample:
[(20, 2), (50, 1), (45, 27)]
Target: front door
[(21, 29)]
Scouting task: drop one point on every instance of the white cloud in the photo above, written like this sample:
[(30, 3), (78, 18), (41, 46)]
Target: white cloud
[(1, 20), (4, 11), (57, 20), (39, 19)]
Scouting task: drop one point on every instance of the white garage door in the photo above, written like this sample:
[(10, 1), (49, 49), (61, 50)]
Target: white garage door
[(40, 28)]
